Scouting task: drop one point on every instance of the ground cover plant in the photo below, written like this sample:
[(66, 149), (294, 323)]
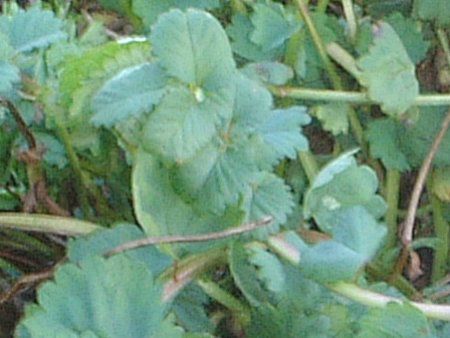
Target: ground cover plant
[(212, 168)]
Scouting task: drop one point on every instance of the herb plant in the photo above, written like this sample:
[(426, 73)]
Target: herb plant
[(233, 168)]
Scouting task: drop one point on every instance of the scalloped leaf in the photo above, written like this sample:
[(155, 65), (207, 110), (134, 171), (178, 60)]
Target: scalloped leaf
[(34, 28), (216, 177), (334, 117), (342, 184), (269, 269), (239, 31), (131, 92), (181, 125), (275, 73), (268, 195), (395, 320), (193, 48), (9, 75), (382, 135), (113, 297), (388, 73), (149, 10), (433, 10), (273, 25)]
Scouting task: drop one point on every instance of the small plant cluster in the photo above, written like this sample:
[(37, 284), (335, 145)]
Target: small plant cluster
[(244, 168)]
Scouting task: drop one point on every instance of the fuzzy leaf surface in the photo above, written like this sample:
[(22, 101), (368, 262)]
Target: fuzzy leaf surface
[(275, 73), (132, 92), (388, 73), (334, 117), (34, 28), (113, 297), (383, 137)]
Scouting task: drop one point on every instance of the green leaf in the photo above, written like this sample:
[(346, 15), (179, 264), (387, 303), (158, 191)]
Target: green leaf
[(382, 8), (410, 33), (113, 297), (388, 72), (267, 195), (281, 131), (395, 320), (382, 135), (416, 139), (100, 242), (194, 48), (149, 10), (9, 75), (239, 31), (268, 72), (356, 237), (217, 176), (34, 28), (273, 25), (333, 116), (181, 125), (269, 269), (436, 11), (244, 275), (132, 92), (441, 183), (342, 184), (55, 153)]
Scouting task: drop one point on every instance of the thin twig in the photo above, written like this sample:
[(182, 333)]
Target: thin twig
[(29, 137), (90, 20), (190, 238), (408, 225)]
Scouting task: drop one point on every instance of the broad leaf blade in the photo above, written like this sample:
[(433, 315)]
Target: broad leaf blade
[(9, 75), (388, 72), (132, 92)]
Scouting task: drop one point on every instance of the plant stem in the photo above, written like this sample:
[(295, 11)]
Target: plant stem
[(233, 304), (320, 46), (350, 16), (392, 197), (343, 58), (351, 96), (443, 40), (441, 231), (46, 224), (322, 6), (309, 164), (369, 298), (177, 277)]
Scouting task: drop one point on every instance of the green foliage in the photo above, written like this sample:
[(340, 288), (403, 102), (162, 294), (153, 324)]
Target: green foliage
[(388, 73), (433, 10), (111, 288), (181, 132)]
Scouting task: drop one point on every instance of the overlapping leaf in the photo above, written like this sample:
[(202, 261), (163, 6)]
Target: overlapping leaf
[(434, 10), (268, 72), (334, 117), (116, 297), (34, 28), (388, 72), (9, 75), (383, 137), (130, 93), (342, 184)]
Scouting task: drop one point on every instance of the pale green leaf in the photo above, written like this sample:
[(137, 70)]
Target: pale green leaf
[(268, 196), (395, 321), (34, 28), (132, 92), (334, 117), (113, 297), (342, 188), (411, 35), (383, 137), (269, 269), (149, 10), (388, 73), (244, 275), (356, 237), (273, 25), (239, 31), (181, 125), (194, 48), (9, 75), (437, 11), (281, 131), (217, 176), (275, 73)]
